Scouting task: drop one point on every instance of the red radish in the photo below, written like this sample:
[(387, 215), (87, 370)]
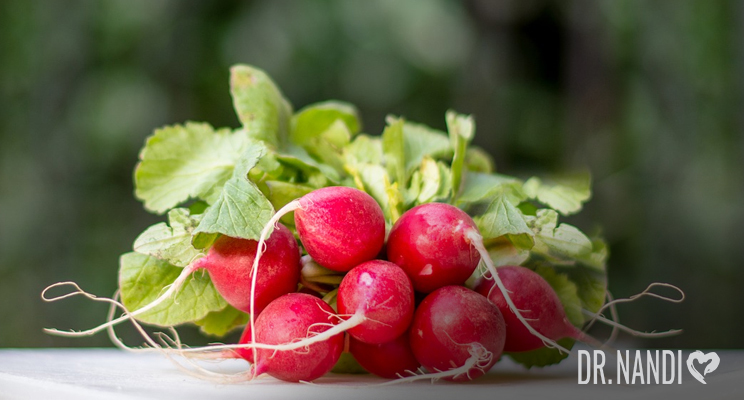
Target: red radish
[(537, 301), (430, 243), (457, 332), (393, 359), (382, 293), (229, 263), (340, 227), (428, 235), (289, 318)]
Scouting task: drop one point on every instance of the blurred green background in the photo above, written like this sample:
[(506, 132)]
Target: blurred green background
[(648, 95)]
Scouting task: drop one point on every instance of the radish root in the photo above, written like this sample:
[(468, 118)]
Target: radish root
[(647, 292), (614, 322), (355, 320), (165, 349), (288, 208), (128, 315), (480, 359)]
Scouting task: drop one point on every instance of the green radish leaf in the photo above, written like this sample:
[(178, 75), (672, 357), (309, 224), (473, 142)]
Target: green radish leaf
[(412, 192), (260, 105), (203, 240), (171, 242), (591, 286), (143, 279), (319, 174), (220, 323), (315, 119), (374, 179), (328, 146), (421, 141), (436, 180), (197, 207), (461, 130), (280, 193), (562, 242), (528, 208), (567, 292), (503, 218), (268, 168), (566, 194), (394, 149), (405, 145), (478, 160), (314, 273), (504, 252), (186, 161), (597, 258), (364, 149), (347, 364), (544, 356), (241, 211), (478, 187)]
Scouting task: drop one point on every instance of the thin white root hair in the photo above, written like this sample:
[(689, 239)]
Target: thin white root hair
[(418, 371), (477, 240), (614, 322), (197, 371), (128, 315), (355, 320), (112, 333), (633, 332), (211, 355), (288, 208), (615, 317), (313, 329), (480, 359), (482, 267), (225, 351), (647, 292)]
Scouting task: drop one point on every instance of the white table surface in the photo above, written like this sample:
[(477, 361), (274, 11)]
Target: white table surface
[(104, 374)]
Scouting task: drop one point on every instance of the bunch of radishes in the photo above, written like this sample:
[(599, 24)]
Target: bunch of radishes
[(454, 332), (406, 250)]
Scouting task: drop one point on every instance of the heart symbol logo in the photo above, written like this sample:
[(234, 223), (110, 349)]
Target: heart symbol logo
[(710, 358)]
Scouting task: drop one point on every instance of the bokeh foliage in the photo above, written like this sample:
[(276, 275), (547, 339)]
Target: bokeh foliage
[(647, 95)]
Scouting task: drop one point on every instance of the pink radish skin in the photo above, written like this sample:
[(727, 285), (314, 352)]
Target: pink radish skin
[(229, 264), (430, 243), (451, 325), (393, 359), (340, 227), (382, 293), (289, 318), (537, 301)]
